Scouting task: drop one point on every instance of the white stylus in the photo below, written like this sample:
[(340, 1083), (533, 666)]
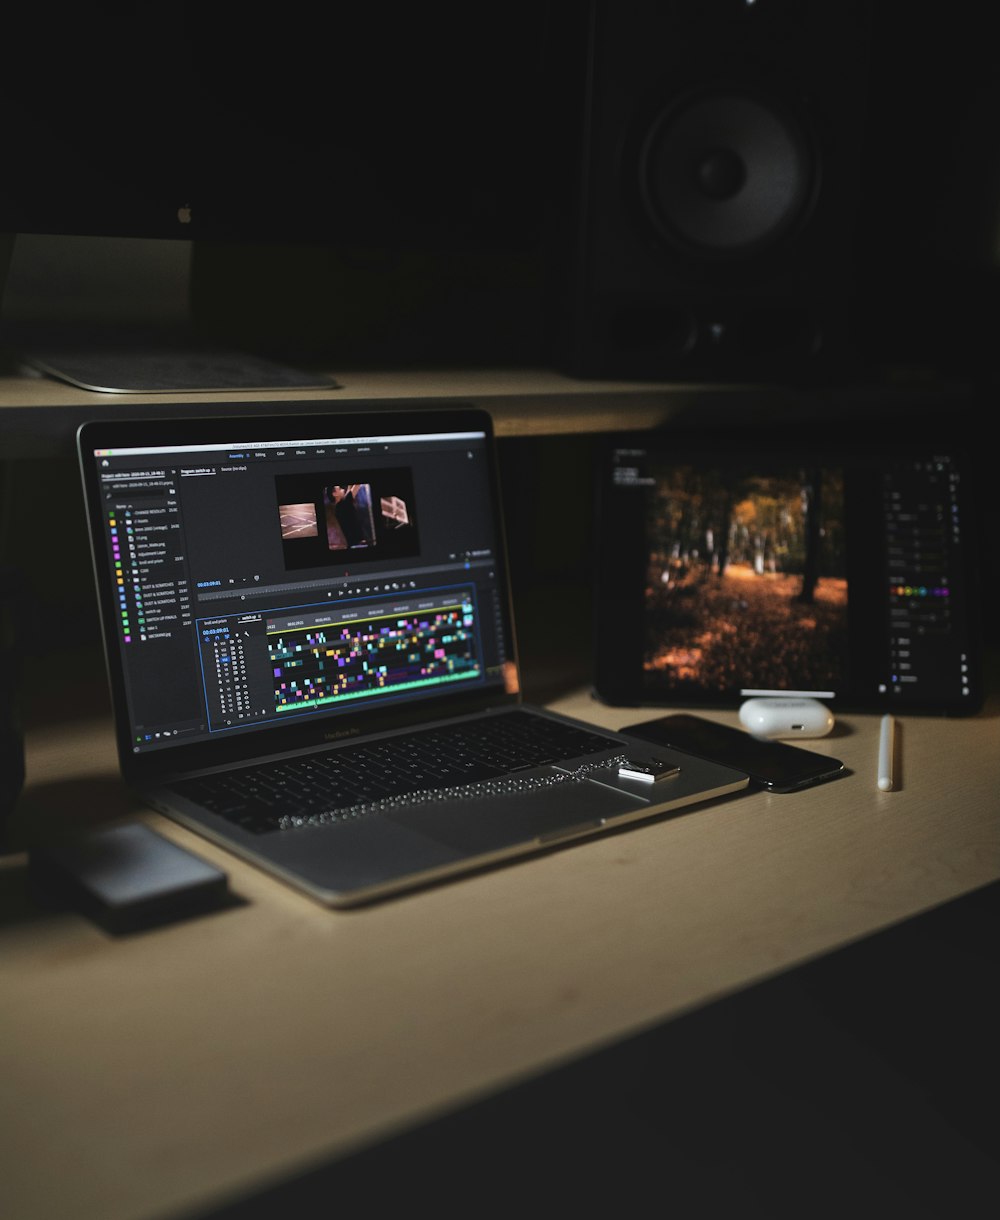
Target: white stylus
[(885, 752)]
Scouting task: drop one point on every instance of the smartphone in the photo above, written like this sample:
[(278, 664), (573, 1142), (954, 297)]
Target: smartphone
[(773, 765)]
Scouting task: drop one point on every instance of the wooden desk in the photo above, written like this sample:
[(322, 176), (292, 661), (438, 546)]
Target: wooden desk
[(149, 1077), (159, 1074)]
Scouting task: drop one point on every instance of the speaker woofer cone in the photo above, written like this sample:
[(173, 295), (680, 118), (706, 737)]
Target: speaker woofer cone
[(726, 173)]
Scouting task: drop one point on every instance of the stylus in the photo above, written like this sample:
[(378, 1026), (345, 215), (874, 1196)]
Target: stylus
[(885, 752)]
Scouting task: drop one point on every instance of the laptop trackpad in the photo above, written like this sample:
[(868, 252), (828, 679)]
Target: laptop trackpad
[(495, 822)]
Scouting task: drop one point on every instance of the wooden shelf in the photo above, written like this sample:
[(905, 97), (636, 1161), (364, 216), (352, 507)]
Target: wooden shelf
[(39, 415)]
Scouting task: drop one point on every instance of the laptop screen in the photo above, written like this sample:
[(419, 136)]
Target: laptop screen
[(280, 574)]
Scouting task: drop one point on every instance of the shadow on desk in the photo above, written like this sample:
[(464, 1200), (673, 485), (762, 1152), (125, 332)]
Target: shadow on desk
[(861, 1084), (74, 805)]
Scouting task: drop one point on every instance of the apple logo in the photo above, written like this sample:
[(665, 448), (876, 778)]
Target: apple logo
[(184, 214)]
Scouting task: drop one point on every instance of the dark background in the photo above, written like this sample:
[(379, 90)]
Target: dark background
[(448, 187)]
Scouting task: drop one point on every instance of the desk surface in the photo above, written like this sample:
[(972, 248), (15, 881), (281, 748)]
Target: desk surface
[(145, 1076)]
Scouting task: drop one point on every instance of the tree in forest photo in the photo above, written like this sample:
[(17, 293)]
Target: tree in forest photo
[(746, 582)]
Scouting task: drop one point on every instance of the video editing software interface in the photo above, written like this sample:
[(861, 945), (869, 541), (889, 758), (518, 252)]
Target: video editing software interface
[(822, 574), (261, 582)]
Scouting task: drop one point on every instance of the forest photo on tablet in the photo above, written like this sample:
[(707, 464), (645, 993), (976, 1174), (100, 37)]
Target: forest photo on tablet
[(746, 578)]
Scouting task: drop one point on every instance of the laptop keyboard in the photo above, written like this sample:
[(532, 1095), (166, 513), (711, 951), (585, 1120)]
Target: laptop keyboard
[(356, 779)]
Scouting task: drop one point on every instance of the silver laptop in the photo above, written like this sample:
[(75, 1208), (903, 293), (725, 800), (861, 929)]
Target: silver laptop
[(310, 645)]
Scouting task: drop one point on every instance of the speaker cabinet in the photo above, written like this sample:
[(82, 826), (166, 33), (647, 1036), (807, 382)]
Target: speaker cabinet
[(720, 183)]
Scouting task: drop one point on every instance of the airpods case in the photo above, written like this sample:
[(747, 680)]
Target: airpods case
[(786, 717)]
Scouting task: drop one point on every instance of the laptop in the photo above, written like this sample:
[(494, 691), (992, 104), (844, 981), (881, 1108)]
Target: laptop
[(310, 644)]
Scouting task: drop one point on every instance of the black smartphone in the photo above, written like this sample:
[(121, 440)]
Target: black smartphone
[(773, 765)]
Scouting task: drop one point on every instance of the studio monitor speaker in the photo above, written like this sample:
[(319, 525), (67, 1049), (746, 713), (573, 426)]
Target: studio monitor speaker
[(722, 148)]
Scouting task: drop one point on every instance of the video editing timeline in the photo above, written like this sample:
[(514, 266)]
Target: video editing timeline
[(267, 666), (923, 531)]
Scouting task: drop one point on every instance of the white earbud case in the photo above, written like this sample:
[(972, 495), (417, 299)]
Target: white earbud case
[(786, 717)]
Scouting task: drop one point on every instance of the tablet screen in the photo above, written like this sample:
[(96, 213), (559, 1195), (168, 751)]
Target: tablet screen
[(726, 570)]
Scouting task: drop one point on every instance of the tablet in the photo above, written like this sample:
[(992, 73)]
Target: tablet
[(725, 570)]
